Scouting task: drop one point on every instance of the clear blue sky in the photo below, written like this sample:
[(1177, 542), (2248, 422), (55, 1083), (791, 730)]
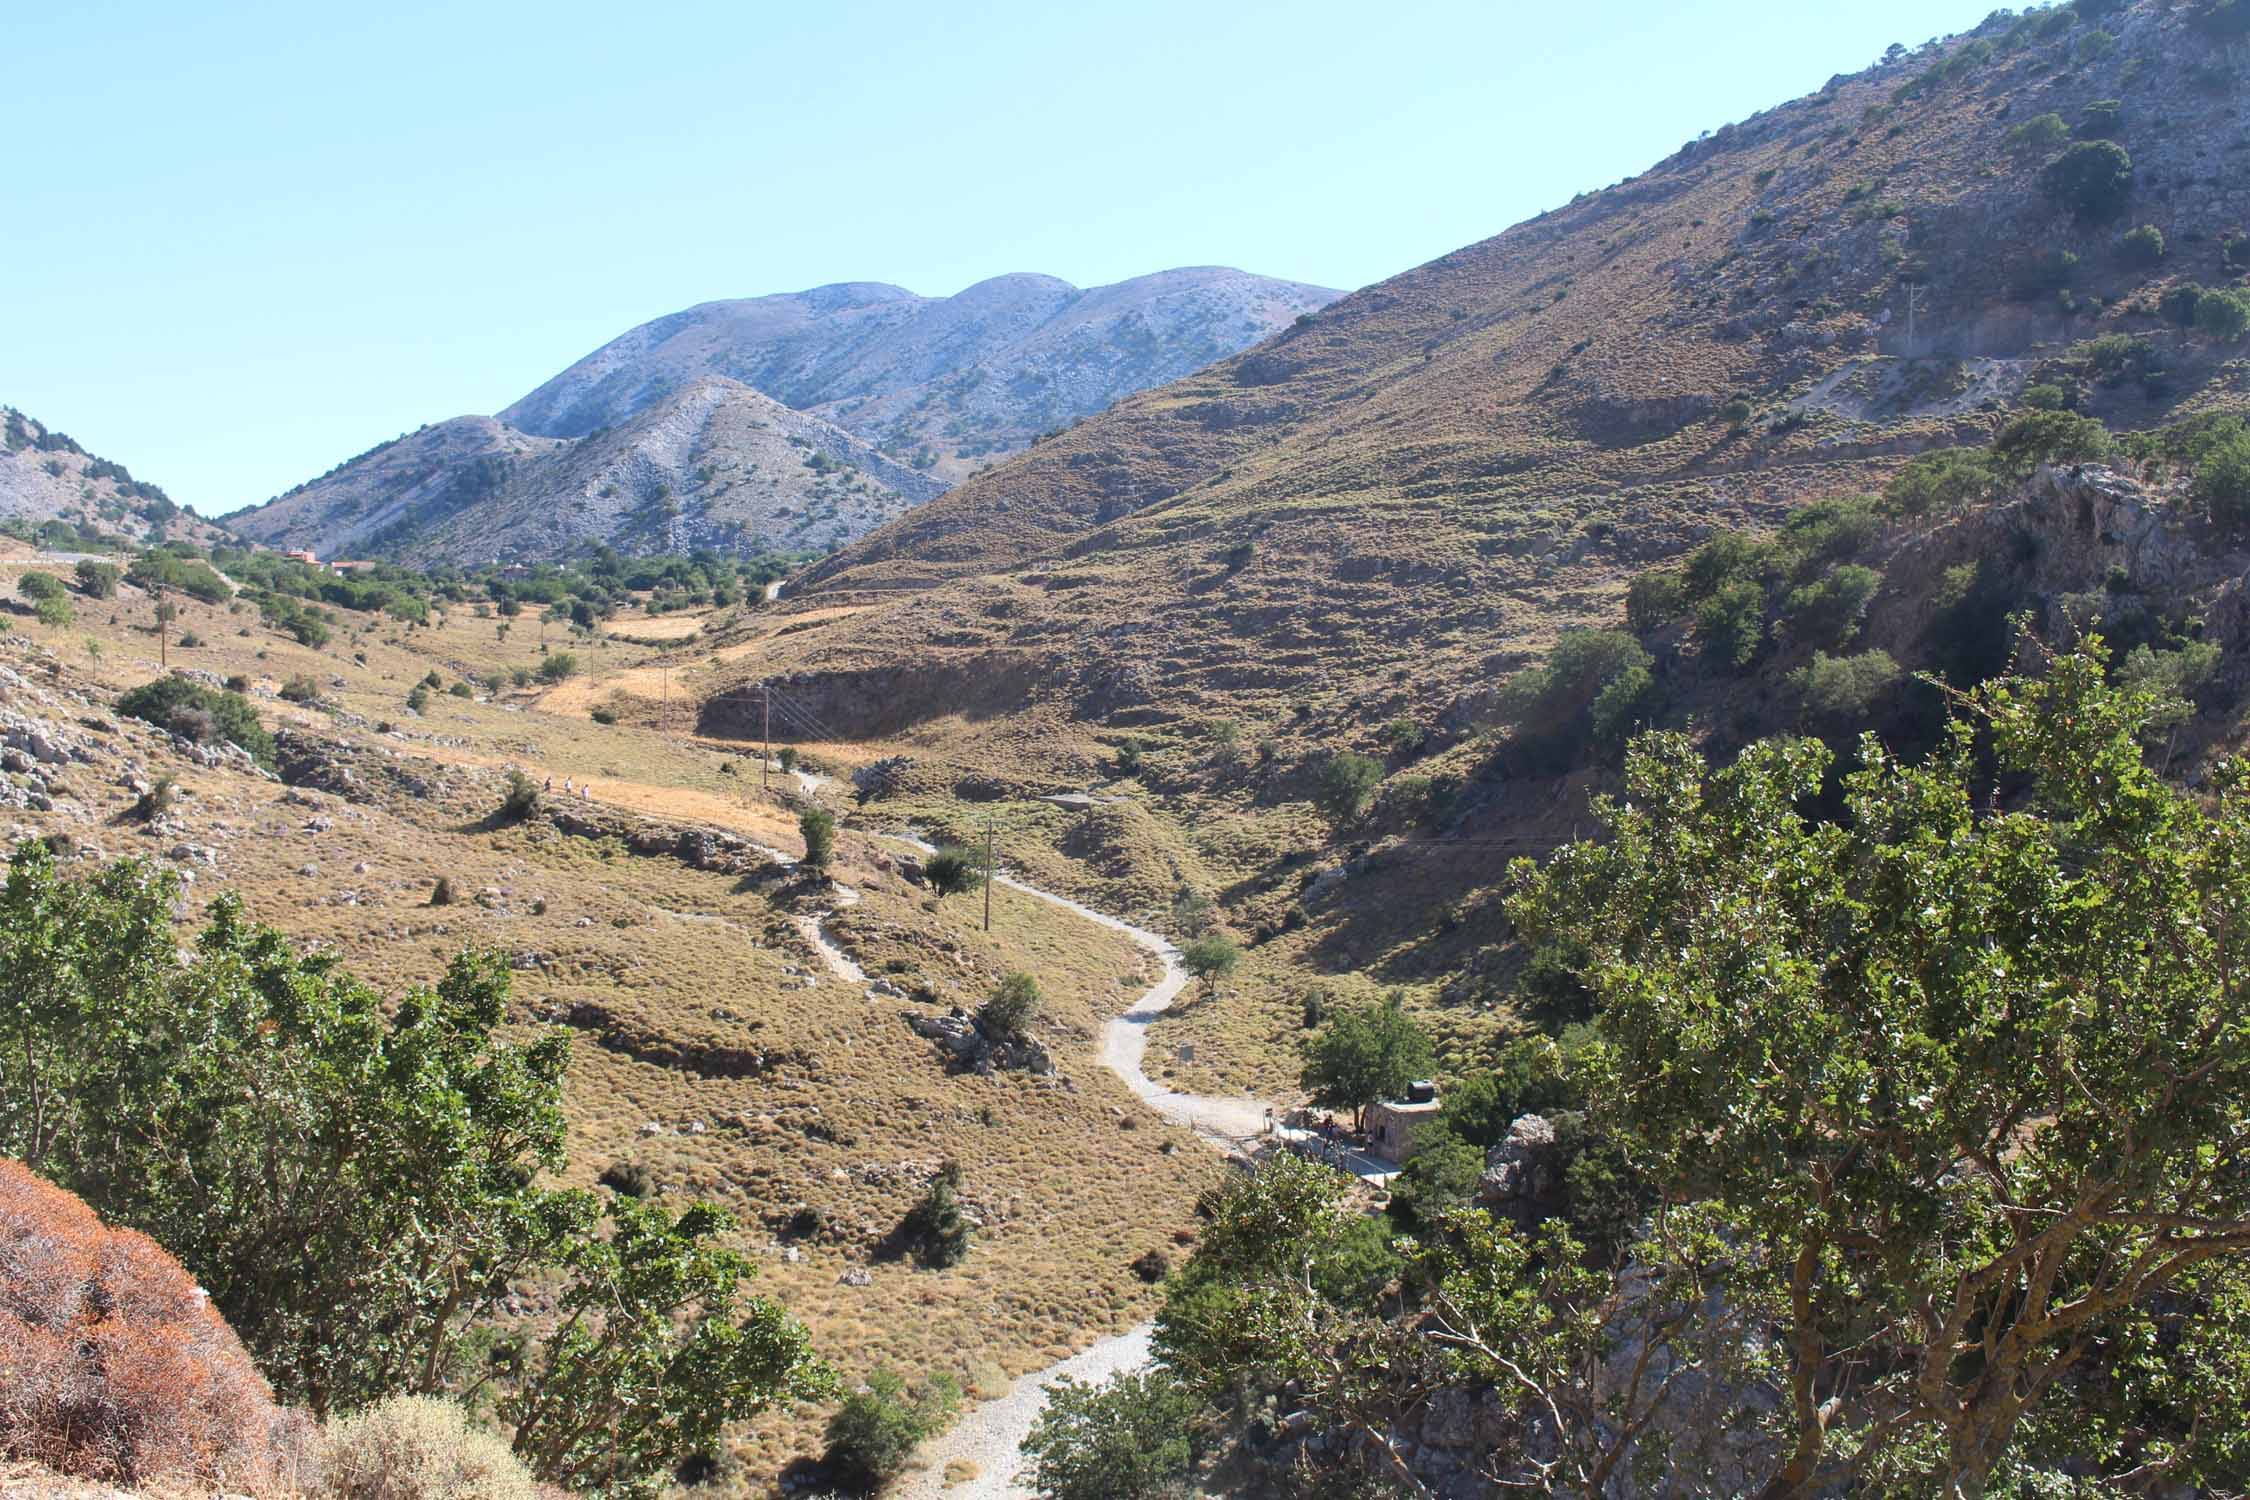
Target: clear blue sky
[(239, 243)]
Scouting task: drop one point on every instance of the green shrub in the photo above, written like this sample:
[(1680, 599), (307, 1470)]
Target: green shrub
[(2100, 119), (1622, 707), (557, 666), (1012, 1007), (418, 1448), (1129, 1438), (878, 1427), (461, 690), (1844, 688), (1826, 614), (520, 800), (2046, 397), (97, 580), (1347, 786), (2093, 180), (817, 826), (418, 699), (935, 1229), (1730, 624), (2142, 247), (1941, 480), (300, 689), (57, 611), (1654, 599), (2178, 304), (1552, 706), (1366, 1055), (952, 870), (2039, 135), (40, 587), (2222, 478), (603, 715), (2032, 438), (201, 714), (2223, 314)]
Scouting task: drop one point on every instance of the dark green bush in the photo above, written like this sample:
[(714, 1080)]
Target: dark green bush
[(935, 1229), (199, 713), (97, 580), (1845, 688), (1941, 480), (1826, 614), (877, 1429), (2223, 314), (300, 689), (2142, 247), (1730, 624), (2093, 180), (2032, 438)]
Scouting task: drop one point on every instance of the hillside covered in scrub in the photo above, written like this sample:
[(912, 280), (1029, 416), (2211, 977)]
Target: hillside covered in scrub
[(1397, 499)]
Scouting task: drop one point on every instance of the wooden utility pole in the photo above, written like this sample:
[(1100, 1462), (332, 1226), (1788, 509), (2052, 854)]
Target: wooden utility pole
[(1913, 305), (664, 715), (765, 736), (163, 633), (988, 872)]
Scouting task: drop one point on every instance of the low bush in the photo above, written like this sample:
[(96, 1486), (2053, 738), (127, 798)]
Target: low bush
[(2032, 438), (117, 1368), (879, 1426), (1845, 688), (97, 580), (558, 666), (2223, 314), (418, 1448), (935, 1229), (2142, 247), (1940, 480), (38, 587), (201, 714), (1347, 786), (520, 800), (1013, 1006), (156, 801), (300, 689)]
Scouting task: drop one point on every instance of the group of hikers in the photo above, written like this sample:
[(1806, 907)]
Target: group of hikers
[(585, 788)]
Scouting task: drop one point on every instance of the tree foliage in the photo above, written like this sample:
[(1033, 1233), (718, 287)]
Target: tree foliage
[(356, 1182), (1132, 1437), (199, 713), (2093, 180), (1210, 958), (879, 1426), (817, 827), (1365, 1055), (1347, 786), (1973, 1080)]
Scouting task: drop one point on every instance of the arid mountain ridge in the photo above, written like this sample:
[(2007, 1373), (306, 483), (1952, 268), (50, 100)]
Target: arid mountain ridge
[(672, 435), (46, 476), (1389, 505)]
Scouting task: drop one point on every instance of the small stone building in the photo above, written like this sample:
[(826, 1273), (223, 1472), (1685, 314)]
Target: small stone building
[(1392, 1124)]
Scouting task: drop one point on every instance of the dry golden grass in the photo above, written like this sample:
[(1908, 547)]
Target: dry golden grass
[(1071, 1179)]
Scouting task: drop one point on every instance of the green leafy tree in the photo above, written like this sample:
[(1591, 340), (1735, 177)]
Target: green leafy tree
[(1731, 623), (57, 611), (556, 666), (2222, 476), (1969, 1078), (1132, 1437), (40, 587), (1365, 1055), (520, 800), (2223, 314), (1347, 787), (1594, 685), (1210, 958), (1941, 480), (658, 1351), (2032, 438), (1844, 688), (1827, 614), (2093, 179), (354, 1181), (817, 826), (952, 870), (97, 580), (878, 1427)]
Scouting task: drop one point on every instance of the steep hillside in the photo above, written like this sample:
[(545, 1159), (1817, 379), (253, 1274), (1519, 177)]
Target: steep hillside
[(714, 464), (943, 383), (1387, 504), (45, 476)]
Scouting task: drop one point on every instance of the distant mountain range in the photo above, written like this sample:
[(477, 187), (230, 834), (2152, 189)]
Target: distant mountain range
[(795, 422)]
